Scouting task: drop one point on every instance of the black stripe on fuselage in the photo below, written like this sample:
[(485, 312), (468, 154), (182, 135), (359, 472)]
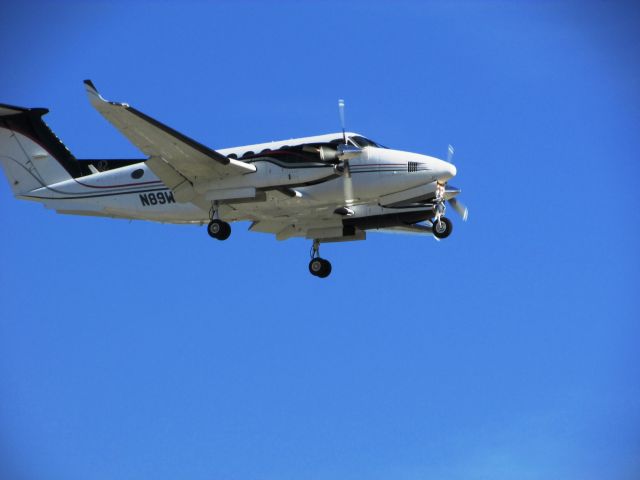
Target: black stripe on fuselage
[(98, 195), (288, 165)]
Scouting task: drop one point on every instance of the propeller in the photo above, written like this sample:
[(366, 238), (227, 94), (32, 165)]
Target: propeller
[(450, 152), (345, 152), (460, 208), (457, 205)]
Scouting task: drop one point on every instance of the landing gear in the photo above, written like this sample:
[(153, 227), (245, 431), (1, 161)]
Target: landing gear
[(318, 267), (217, 228), (442, 227)]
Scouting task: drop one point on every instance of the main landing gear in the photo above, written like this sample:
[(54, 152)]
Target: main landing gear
[(318, 267), (217, 228)]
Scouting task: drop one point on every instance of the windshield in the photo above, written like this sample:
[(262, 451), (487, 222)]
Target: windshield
[(364, 142)]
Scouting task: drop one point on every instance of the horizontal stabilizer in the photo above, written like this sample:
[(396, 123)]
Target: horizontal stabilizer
[(7, 110)]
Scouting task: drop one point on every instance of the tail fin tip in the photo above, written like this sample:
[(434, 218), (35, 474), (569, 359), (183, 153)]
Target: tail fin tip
[(7, 110)]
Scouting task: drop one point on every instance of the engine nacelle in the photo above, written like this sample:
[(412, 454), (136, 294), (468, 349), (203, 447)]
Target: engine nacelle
[(329, 155)]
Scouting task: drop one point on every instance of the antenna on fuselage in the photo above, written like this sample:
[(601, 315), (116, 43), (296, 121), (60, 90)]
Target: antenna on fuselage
[(342, 123)]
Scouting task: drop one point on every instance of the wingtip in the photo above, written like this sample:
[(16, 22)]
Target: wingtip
[(90, 84), (96, 99), (94, 96)]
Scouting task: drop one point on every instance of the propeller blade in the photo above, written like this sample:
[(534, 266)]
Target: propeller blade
[(460, 208), (342, 122), (450, 152), (345, 152)]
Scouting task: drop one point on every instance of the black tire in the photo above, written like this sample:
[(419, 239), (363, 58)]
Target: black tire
[(326, 268), (219, 230), (225, 232), (442, 229)]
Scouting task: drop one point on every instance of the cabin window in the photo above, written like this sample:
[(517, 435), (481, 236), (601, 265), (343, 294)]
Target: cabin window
[(137, 173), (412, 167)]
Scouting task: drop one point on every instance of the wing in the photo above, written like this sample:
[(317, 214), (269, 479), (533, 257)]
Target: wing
[(176, 159)]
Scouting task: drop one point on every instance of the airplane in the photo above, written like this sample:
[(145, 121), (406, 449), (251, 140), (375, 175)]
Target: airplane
[(325, 188)]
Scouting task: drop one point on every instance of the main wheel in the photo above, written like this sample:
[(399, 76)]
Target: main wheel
[(319, 267), (219, 230), (442, 228), (326, 268), (225, 232)]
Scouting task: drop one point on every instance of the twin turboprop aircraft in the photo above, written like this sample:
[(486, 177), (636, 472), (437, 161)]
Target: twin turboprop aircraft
[(326, 188)]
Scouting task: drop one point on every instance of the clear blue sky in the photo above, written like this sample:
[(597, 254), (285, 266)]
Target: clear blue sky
[(510, 350)]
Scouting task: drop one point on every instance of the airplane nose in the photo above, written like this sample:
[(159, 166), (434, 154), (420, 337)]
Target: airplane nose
[(446, 170), (451, 170)]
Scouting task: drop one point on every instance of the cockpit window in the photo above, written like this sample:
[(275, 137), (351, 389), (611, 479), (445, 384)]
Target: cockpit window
[(357, 141), (364, 142), (340, 141)]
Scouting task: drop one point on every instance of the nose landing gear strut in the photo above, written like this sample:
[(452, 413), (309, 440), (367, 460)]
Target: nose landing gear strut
[(442, 226), (318, 267)]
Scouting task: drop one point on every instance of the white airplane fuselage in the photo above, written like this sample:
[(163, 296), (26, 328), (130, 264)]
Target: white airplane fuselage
[(374, 173), (328, 188)]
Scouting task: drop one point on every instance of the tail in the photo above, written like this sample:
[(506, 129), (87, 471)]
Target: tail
[(30, 153)]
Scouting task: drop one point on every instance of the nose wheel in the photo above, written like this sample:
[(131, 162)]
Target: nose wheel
[(442, 227), (318, 267)]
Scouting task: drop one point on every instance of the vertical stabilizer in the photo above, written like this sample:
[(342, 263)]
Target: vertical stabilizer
[(30, 153)]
